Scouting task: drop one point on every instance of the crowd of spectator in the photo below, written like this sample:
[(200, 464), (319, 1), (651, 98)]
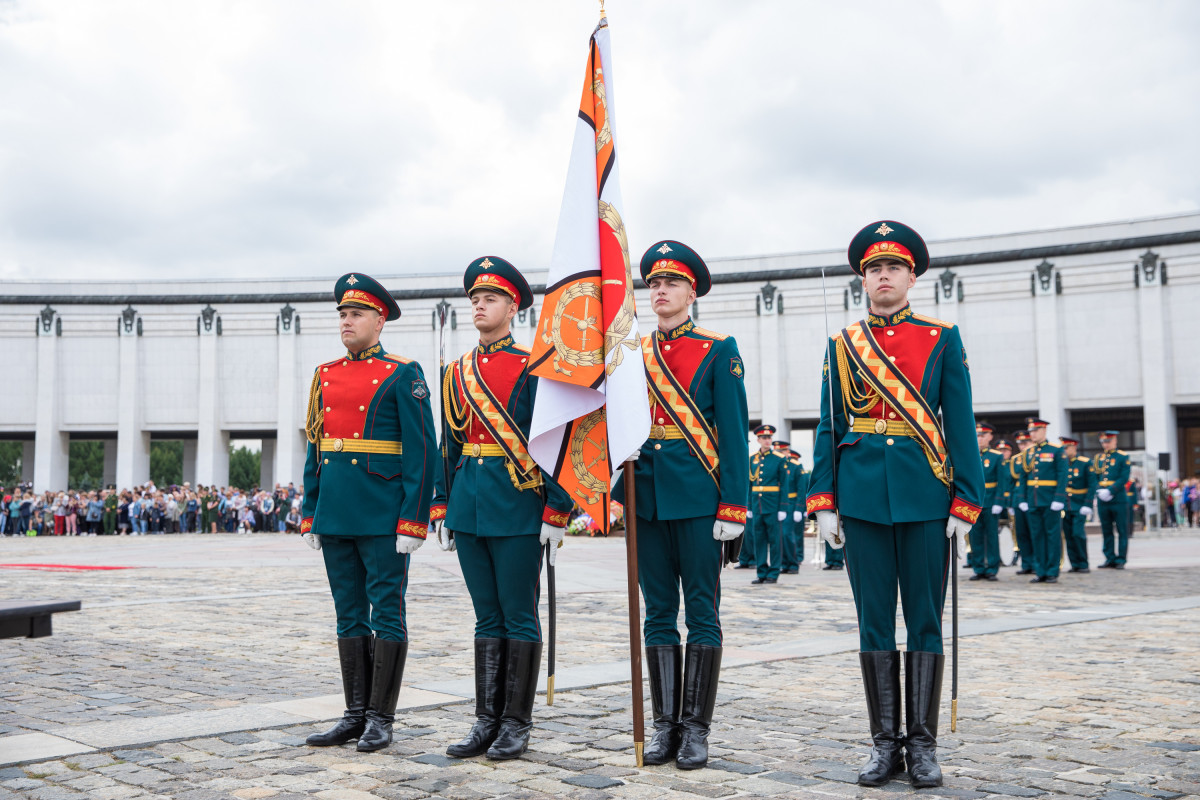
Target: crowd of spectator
[(149, 510)]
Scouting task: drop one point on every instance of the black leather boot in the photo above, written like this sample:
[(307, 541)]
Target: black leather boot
[(385, 690), (489, 699), (701, 669), (881, 679), (354, 654), (664, 663), (522, 664), (922, 696)]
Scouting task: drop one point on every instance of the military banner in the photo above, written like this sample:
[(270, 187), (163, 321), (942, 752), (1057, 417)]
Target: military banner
[(591, 410)]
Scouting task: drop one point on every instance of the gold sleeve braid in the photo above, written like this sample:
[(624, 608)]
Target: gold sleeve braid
[(316, 417)]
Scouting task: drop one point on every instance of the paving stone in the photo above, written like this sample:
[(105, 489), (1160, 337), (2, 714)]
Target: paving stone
[(1010, 790), (592, 781), (734, 766), (437, 759), (1147, 791), (789, 778), (1186, 747), (841, 775)]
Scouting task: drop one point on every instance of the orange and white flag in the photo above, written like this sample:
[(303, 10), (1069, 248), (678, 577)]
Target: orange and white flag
[(591, 410)]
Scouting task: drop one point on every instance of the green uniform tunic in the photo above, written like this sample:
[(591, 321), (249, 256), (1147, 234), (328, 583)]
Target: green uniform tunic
[(358, 496), (985, 533), (1016, 488), (893, 507), (678, 501), (496, 525), (1081, 489), (1044, 486), (1112, 472)]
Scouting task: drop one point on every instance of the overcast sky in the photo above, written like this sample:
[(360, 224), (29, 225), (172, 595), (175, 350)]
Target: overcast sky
[(221, 138)]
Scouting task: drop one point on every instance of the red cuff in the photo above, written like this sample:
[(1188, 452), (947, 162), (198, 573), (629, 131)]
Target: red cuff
[(965, 511), (728, 513), (306, 524), (413, 529), (437, 512), (556, 518), (820, 502)]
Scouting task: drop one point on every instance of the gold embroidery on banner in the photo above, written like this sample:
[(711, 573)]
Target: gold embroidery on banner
[(581, 465), (617, 336)]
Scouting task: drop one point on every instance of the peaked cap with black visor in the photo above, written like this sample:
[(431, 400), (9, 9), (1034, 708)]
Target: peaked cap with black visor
[(888, 239), (362, 291), (669, 257), (497, 275)]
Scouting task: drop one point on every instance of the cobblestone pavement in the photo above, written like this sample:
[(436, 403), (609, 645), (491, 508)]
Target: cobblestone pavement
[(1106, 709)]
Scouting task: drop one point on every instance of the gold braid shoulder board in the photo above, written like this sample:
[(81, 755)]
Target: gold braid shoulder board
[(666, 390), (522, 469), (898, 392)]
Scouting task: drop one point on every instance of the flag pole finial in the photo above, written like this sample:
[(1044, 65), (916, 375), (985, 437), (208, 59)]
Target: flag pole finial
[(601, 9)]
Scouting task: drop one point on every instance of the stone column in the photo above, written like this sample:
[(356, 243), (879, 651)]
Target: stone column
[(1047, 286), (133, 444), (771, 375), (189, 462), (266, 465), (1154, 342), (110, 463), (51, 446), (28, 455), (212, 443), (283, 449)]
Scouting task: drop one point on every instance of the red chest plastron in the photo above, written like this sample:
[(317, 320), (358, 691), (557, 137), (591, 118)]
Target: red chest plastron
[(683, 357), (908, 347), (347, 389), (500, 371)]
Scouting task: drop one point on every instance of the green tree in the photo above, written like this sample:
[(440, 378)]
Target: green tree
[(245, 467), (10, 462), (166, 463), (85, 466)]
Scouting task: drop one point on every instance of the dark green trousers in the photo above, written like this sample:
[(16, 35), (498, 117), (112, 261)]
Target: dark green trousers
[(674, 555), (1112, 514), (368, 579), (985, 544), (793, 544), (1023, 540), (503, 575), (913, 556), (110, 522), (746, 554), (768, 543), (1045, 529), (1076, 537), (834, 557)]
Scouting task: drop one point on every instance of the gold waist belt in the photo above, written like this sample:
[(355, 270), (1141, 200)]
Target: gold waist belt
[(1107, 483), (1076, 491), (764, 488), (892, 427), (329, 445), (665, 432), (991, 485), (1041, 483), (477, 450)]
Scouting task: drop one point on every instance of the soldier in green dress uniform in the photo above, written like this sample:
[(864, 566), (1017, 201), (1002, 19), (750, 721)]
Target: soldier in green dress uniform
[(770, 480), (903, 485), (793, 544), (1043, 498), (1025, 554), (501, 510), (692, 490), (111, 501), (1112, 473), (1081, 489), (1004, 492), (985, 533), (368, 480)]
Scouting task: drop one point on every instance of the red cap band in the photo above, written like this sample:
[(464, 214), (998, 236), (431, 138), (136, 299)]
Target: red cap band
[(887, 250), (667, 266), (497, 283), (358, 297)]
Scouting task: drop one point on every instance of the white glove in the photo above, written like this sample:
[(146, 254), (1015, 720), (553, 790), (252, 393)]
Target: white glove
[(1104, 494), (1056, 506), (830, 528), (957, 527), (1023, 505), (997, 510), (635, 455), (312, 540), (554, 537), (727, 531), (445, 536), (1086, 511), (407, 544), (797, 516), (781, 516), (749, 514)]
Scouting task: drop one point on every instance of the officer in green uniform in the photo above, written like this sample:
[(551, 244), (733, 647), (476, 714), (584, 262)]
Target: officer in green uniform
[(1016, 470), (793, 545), (368, 480), (501, 510), (1112, 473), (111, 501), (692, 490), (903, 486), (770, 480), (1004, 493), (1043, 498), (747, 556), (1081, 489), (985, 533)]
